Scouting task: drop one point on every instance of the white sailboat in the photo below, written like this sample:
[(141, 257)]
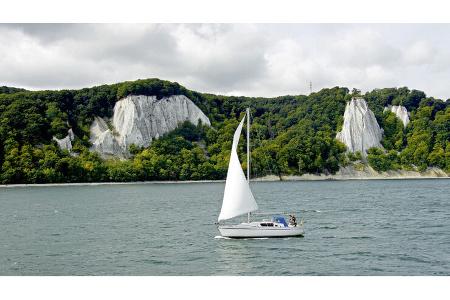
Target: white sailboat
[(238, 200)]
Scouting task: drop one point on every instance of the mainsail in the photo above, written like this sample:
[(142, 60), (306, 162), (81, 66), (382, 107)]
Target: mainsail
[(238, 198)]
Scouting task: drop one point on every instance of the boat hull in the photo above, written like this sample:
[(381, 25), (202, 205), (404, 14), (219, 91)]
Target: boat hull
[(249, 231)]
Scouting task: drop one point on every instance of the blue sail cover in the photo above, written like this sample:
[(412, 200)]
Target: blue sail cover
[(280, 219)]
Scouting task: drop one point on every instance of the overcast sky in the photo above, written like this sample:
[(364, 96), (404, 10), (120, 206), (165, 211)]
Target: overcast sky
[(237, 59)]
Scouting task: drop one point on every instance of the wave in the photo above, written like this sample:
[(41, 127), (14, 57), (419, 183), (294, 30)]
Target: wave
[(311, 210), (222, 237), (361, 237), (328, 227), (244, 239)]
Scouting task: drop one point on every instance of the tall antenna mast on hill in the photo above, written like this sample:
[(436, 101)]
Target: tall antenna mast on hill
[(310, 87)]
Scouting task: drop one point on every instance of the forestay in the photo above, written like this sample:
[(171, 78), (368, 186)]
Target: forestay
[(238, 198)]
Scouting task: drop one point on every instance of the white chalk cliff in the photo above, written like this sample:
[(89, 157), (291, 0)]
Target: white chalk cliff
[(139, 119), (360, 130), (400, 111), (104, 141), (65, 143)]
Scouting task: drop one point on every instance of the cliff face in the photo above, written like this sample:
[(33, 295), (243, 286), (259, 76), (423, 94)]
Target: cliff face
[(104, 141), (360, 130), (139, 119), (66, 143), (401, 112)]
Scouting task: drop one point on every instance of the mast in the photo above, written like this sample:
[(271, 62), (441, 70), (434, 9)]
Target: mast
[(248, 153)]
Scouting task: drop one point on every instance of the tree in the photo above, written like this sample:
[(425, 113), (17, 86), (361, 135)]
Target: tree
[(413, 99), (290, 134)]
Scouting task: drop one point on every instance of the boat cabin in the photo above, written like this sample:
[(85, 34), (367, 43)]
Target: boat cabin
[(277, 221)]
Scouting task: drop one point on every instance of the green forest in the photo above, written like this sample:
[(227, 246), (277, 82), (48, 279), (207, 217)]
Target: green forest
[(291, 135)]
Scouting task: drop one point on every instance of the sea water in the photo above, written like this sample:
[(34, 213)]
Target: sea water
[(373, 227)]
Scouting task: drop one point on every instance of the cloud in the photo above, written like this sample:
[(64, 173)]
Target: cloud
[(419, 53), (244, 59), (221, 56)]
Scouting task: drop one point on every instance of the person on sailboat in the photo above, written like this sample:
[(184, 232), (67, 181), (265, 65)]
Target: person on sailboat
[(292, 220)]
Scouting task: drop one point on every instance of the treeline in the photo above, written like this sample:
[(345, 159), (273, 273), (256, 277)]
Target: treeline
[(176, 156), (290, 134), (10, 90), (425, 141)]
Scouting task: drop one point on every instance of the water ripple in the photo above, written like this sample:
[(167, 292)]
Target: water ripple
[(352, 228)]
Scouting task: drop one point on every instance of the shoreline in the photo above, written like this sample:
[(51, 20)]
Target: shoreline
[(345, 173)]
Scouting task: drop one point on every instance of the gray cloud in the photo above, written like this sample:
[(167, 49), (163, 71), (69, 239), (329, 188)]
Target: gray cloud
[(244, 59)]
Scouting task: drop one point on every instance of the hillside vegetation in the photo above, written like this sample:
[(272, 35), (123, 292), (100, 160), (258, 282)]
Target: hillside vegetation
[(290, 134)]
